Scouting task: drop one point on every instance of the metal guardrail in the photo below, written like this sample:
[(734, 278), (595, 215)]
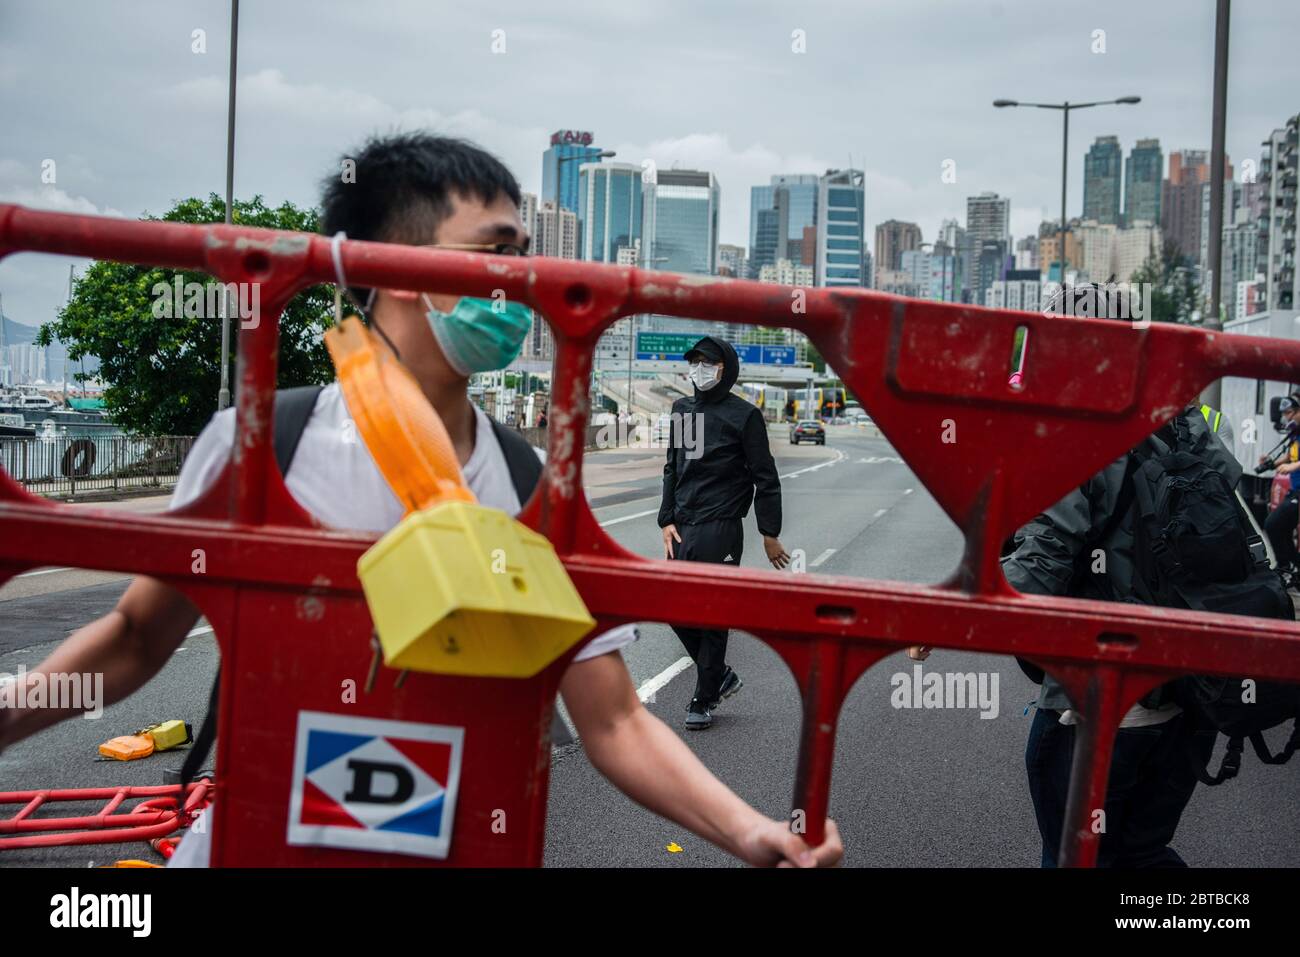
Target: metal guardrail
[(69, 465)]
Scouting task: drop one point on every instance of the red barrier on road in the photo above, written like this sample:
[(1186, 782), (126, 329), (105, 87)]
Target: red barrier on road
[(283, 597), (153, 818)]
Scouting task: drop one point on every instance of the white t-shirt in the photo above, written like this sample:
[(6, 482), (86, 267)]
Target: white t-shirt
[(334, 478)]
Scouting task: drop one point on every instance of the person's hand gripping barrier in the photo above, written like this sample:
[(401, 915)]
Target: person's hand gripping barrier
[(455, 587)]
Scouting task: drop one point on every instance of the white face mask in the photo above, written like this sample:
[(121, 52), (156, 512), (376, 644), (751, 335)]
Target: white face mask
[(705, 376)]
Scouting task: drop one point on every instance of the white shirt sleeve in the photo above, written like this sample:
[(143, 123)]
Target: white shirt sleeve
[(208, 456), (612, 640)]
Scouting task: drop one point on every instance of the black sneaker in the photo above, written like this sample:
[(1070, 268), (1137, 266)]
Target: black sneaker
[(731, 683), (698, 716)]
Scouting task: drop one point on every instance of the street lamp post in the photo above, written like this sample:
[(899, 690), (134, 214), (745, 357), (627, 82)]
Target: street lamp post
[(223, 393), (1065, 109), (1213, 392)]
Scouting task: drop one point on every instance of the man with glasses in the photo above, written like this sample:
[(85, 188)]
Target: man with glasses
[(423, 190)]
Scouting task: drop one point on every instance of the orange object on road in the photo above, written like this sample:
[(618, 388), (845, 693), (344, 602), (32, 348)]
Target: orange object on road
[(128, 747)]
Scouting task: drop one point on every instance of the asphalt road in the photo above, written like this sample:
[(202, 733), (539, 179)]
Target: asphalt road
[(911, 787)]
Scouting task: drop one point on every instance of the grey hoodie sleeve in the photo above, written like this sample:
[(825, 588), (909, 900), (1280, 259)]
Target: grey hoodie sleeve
[(1047, 546)]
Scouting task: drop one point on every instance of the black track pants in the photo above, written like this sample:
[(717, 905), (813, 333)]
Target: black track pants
[(722, 542)]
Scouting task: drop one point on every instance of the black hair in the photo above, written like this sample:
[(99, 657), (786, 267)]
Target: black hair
[(402, 187)]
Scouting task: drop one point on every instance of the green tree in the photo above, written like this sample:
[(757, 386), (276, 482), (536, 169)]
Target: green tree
[(1175, 294), (162, 374)]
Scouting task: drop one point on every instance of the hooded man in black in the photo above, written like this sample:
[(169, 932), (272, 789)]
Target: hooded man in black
[(718, 463)]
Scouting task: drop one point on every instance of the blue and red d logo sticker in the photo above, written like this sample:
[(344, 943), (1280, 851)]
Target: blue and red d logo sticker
[(373, 785)]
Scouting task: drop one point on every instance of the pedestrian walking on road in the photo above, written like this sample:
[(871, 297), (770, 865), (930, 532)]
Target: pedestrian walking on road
[(719, 461)]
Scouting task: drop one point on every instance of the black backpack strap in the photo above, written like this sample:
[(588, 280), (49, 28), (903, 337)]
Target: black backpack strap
[(1227, 770), (521, 459), (293, 407), (198, 752), (1283, 756)]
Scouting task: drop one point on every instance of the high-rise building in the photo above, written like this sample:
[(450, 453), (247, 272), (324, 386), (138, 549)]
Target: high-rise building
[(989, 264), (786, 273), (1240, 255), (680, 221), (1134, 245), (528, 213), (1279, 168), (988, 242), (893, 238), (1097, 249), (609, 209), (732, 261), (952, 240), (841, 228), (569, 149), (1027, 254), (557, 232), (1049, 248), (1143, 182), (1180, 201), (932, 275), (1021, 289), (779, 215), (1102, 169), (897, 282)]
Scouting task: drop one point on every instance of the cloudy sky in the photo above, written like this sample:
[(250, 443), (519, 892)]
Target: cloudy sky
[(135, 119)]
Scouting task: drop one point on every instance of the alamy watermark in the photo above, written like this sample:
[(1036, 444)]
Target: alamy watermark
[(678, 430), (202, 300), (59, 690), (950, 690), (1130, 301)]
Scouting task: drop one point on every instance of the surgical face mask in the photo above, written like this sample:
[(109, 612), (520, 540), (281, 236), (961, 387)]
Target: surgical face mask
[(480, 335), (705, 376)]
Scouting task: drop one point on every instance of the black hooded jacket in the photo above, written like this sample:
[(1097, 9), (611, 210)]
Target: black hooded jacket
[(733, 466)]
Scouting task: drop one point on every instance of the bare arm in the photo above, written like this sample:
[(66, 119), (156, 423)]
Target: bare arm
[(644, 759), (128, 646)]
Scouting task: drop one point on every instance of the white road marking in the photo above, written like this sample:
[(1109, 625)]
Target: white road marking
[(881, 460), (879, 512), (821, 558), (199, 630), (650, 687), (909, 491), (628, 518), (43, 571), (839, 457)]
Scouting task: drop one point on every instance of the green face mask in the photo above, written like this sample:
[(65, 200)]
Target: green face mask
[(480, 335)]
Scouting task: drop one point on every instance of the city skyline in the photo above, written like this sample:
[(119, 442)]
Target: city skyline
[(298, 113)]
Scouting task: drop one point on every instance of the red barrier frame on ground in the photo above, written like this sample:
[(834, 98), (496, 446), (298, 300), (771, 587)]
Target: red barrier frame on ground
[(284, 601)]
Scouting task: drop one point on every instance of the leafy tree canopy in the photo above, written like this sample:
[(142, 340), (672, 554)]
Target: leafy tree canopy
[(159, 353)]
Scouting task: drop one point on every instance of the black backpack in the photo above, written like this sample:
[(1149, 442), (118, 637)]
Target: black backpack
[(293, 407), (1193, 547)]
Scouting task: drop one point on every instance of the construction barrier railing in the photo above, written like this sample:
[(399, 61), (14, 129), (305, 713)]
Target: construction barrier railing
[(283, 597)]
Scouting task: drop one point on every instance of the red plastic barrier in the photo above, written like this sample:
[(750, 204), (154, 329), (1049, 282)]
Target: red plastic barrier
[(284, 600)]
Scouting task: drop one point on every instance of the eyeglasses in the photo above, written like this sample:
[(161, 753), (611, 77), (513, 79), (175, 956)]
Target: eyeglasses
[(499, 249)]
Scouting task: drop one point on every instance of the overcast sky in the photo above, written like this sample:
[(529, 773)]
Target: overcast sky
[(135, 120)]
